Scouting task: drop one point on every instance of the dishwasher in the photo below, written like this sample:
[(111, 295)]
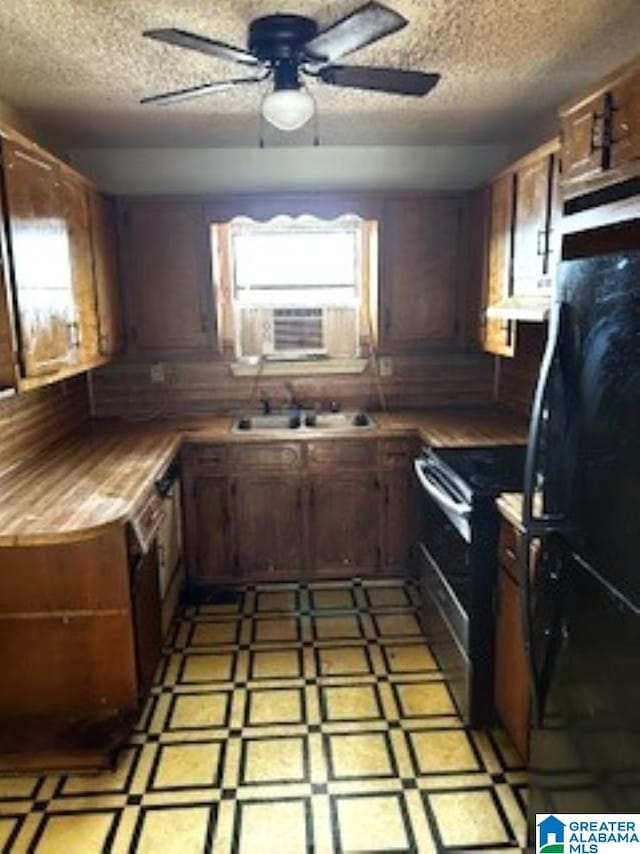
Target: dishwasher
[(170, 563)]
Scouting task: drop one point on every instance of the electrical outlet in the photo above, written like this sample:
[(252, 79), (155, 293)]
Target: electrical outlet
[(386, 366), (156, 374)]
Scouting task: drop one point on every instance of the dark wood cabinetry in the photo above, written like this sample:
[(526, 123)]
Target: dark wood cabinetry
[(105, 272), (511, 692), (344, 523), (270, 510), (167, 271), (269, 521), (59, 310), (600, 134), (146, 615), (498, 334), (419, 294), (78, 222), (40, 260), (523, 246)]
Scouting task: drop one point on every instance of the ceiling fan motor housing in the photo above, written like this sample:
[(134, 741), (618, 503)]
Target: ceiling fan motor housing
[(278, 37)]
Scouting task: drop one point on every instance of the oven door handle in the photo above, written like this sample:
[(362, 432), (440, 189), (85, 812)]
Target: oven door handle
[(461, 508)]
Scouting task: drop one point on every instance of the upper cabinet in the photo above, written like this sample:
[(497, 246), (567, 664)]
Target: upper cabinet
[(168, 278), (523, 246), (54, 252), (105, 272), (419, 287), (40, 261), (600, 134)]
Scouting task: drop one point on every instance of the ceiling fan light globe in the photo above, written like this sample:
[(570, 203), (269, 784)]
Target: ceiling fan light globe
[(288, 109)]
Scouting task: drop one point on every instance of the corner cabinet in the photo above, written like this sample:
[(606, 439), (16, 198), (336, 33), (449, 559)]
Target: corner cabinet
[(523, 246), (167, 267), (54, 252), (419, 292), (600, 134)]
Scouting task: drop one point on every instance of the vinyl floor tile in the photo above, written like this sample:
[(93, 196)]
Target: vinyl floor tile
[(287, 718)]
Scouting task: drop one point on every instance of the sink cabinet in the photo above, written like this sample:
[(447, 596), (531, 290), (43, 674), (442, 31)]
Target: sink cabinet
[(344, 536), (269, 510), (269, 521)]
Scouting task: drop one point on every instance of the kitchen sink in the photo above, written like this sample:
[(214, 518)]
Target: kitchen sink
[(310, 420)]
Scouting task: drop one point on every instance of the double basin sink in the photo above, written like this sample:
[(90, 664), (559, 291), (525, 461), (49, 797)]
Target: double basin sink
[(303, 420)]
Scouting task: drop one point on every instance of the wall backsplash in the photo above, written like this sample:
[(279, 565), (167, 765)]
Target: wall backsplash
[(518, 376), (202, 388), (33, 420)]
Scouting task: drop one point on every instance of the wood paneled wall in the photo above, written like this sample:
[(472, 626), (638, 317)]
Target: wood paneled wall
[(192, 388), (518, 376), (33, 420)]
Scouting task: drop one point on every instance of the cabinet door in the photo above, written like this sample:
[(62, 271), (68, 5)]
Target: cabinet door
[(77, 216), (145, 603), (582, 142), (8, 342), (419, 283), (269, 525), (40, 260), (169, 286), (105, 272), (499, 335), (344, 523), (398, 520), (531, 228), (625, 122), (207, 529), (511, 673)]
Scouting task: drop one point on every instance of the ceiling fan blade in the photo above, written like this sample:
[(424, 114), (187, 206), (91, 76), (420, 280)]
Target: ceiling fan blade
[(392, 80), (191, 41), (362, 27), (197, 91)]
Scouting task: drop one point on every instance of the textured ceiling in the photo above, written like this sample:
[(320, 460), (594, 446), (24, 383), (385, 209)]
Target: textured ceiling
[(79, 67)]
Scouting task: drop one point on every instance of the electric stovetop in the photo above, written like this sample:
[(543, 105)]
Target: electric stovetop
[(486, 471)]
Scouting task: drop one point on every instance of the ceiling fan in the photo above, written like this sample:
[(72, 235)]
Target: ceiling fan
[(284, 46)]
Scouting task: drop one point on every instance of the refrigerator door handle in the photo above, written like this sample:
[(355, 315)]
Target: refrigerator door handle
[(539, 524)]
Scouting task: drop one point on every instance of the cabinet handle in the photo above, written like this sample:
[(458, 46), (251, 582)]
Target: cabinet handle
[(542, 241), (312, 496), (510, 554), (595, 119)]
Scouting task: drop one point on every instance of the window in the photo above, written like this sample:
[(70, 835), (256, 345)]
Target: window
[(294, 289)]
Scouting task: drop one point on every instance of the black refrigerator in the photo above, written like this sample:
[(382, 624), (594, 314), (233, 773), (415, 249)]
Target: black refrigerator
[(580, 561)]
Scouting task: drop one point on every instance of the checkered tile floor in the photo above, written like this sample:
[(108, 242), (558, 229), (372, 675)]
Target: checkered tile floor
[(297, 718)]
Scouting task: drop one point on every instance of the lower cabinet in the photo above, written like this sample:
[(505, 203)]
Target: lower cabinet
[(344, 523), (398, 518), (207, 517), (269, 523), (80, 640), (511, 691), (279, 510)]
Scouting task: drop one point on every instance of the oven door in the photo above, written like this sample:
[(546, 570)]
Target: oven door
[(445, 582)]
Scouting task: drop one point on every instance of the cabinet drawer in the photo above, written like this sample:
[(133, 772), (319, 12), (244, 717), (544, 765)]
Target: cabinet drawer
[(328, 454), (267, 455), (395, 453), (214, 456), (508, 550)]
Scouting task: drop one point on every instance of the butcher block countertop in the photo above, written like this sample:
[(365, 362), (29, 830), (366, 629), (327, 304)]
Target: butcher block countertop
[(98, 477)]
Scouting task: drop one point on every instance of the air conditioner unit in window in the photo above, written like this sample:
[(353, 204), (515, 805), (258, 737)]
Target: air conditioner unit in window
[(290, 332)]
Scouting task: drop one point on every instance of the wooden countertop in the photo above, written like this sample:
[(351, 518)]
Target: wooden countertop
[(97, 478), (510, 507)]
